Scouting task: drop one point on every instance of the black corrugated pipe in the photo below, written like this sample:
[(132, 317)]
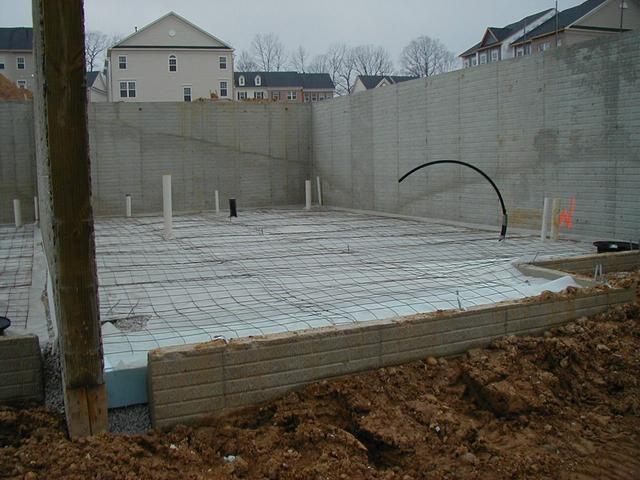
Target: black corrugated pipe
[(503, 230)]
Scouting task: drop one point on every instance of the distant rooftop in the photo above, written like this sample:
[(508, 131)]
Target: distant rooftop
[(16, 38), (371, 81), (286, 79)]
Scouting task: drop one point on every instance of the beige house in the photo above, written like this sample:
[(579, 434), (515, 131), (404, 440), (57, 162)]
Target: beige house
[(283, 87), (96, 87), (169, 60), (16, 56), (539, 32)]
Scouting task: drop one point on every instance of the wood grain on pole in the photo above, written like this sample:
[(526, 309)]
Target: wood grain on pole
[(64, 182)]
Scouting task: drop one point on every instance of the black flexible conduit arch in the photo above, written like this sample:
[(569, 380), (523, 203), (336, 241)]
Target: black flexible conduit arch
[(503, 230)]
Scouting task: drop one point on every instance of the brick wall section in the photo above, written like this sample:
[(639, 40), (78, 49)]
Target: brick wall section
[(258, 154), (187, 383), (563, 124), (17, 159), (21, 369)]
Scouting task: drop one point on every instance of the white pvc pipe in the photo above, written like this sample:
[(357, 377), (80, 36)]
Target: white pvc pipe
[(217, 195), (127, 201), (545, 219), (319, 191), (166, 207), (555, 219), (307, 193), (36, 209), (17, 212)]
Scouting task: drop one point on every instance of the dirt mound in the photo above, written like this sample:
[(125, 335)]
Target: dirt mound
[(10, 91), (564, 405)]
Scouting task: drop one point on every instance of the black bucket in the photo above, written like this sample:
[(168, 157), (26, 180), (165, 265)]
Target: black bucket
[(608, 247), (4, 324)]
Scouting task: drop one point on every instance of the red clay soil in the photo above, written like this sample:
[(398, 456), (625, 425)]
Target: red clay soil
[(561, 406), (10, 91)]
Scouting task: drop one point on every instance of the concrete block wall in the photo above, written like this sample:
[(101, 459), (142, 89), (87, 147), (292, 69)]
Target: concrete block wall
[(21, 373), (17, 159), (187, 383), (586, 264), (258, 154), (564, 124)]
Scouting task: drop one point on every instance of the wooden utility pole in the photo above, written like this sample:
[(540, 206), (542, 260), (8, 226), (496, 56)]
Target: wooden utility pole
[(66, 216)]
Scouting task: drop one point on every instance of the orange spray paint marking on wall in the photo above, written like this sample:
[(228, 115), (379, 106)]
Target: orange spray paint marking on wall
[(566, 215)]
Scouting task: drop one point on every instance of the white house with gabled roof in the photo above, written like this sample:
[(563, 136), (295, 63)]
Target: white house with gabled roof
[(169, 60)]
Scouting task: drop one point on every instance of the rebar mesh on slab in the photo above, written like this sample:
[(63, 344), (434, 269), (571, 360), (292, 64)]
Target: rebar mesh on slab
[(16, 262), (281, 270)]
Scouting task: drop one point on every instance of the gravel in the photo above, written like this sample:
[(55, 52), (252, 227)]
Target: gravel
[(133, 420)]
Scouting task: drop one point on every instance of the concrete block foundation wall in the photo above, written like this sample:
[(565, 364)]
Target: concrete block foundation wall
[(21, 374), (564, 124), (17, 159), (258, 154), (187, 383)]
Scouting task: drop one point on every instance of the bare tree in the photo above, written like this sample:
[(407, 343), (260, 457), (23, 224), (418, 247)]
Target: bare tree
[(299, 59), (425, 56), (95, 44), (245, 63), (370, 60), (268, 52)]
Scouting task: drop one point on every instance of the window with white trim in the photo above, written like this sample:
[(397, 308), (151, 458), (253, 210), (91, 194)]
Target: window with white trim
[(224, 89), (519, 52), (258, 81), (275, 96), (242, 95), (494, 55), (307, 98), (466, 63), (173, 63), (474, 61), (128, 89), (258, 95), (483, 58), (186, 93), (292, 95), (241, 81), (22, 84), (1, 63), (223, 63), (544, 46), (314, 97), (122, 62), (20, 63)]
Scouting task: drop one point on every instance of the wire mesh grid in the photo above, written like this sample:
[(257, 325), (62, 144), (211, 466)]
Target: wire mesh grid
[(16, 262), (280, 270)]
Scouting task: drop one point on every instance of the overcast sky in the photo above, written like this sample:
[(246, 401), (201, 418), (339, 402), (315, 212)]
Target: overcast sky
[(313, 24)]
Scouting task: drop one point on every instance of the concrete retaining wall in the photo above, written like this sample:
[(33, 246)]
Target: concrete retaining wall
[(562, 124), (259, 154), (17, 159), (187, 383), (21, 375)]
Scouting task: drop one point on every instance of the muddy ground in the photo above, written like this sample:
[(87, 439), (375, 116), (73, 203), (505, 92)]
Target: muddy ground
[(564, 405)]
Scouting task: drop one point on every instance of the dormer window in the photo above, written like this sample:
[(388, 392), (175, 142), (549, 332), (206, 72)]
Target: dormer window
[(258, 81), (241, 81), (173, 63)]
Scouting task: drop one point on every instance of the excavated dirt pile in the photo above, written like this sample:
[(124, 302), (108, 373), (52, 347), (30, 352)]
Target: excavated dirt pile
[(561, 406)]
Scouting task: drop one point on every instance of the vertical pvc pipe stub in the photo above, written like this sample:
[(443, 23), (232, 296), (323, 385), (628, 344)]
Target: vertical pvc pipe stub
[(17, 212), (307, 194), (167, 207)]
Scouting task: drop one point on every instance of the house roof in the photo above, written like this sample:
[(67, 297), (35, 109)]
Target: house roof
[(16, 38), (565, 19), (91, 77), (502, 33), (286, 79), (175, 15), (372, 81)]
